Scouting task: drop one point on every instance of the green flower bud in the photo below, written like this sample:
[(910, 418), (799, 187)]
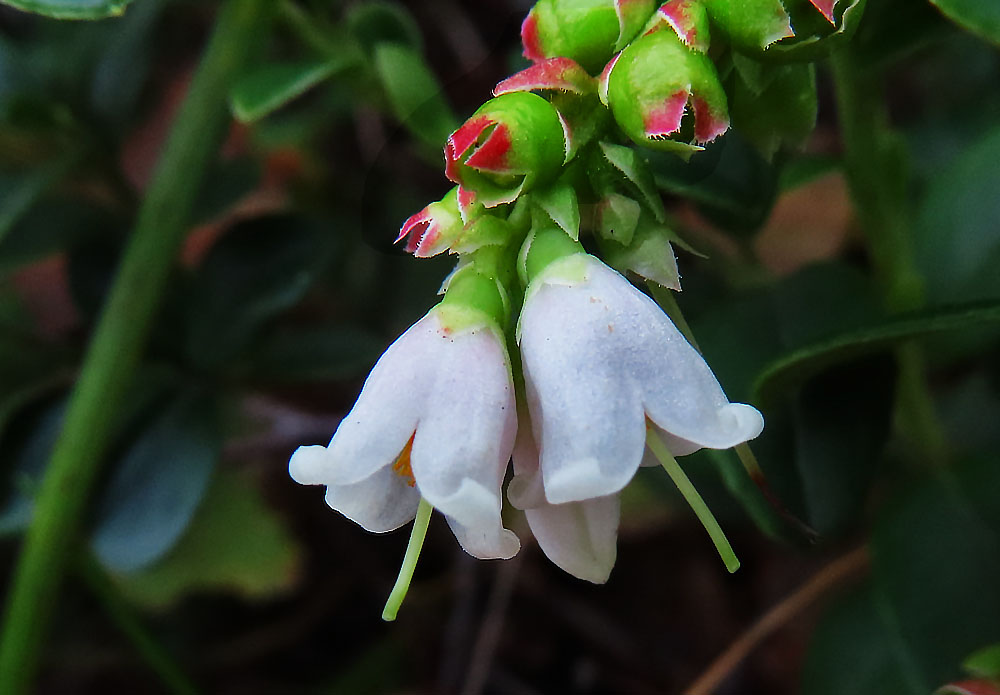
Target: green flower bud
[(751, 25), (512, 143), (778, 108), (651, 85), (588, 31), (791, 29)]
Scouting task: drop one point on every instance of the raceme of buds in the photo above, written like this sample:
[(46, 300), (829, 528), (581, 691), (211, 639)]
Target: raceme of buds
[(655, 82), (588, 31), (512, 143)]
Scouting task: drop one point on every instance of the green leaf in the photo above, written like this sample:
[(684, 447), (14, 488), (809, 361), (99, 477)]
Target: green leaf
[(415, 95), (957, 239), (731, 182), (236, 543), (932, 594), (784, 112), (819, 449), (945, 530), (630, 164), (984, 663), (269, 87), (26, 457), (72, 9), (18, 195), (157, 486), (784, 374), (842, 420), (122, 67), (258, 269), (852, 652), (981, 17), (560, 204), (376, 22)]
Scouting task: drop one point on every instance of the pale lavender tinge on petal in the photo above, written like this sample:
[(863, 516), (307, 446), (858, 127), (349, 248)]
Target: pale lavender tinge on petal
[(382, 502), (579, 537)]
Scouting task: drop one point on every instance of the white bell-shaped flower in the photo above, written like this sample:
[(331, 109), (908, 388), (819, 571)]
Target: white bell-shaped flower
[(600, 358), (435, 419)]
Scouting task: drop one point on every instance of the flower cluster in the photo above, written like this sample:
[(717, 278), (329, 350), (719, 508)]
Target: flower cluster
[(542, 352)]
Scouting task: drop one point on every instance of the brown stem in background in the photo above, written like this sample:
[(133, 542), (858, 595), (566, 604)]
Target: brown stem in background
[(828, 578)]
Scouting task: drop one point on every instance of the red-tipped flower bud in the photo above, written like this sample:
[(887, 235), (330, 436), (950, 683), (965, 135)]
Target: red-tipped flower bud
[(433, 229), (512, 143), (588, 31), (654, 82)]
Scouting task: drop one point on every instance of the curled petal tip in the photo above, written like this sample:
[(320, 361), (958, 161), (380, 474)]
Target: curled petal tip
[(492, 155), (562, 74), (308, 465), (415, 224), (826, 8), (530, 38), (678, 14), (663, 121), (708, 124), (460, 141)]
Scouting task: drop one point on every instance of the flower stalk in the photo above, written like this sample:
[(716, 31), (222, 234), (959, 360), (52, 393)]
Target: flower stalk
[(693, 499), (410, 557), (118, 342)]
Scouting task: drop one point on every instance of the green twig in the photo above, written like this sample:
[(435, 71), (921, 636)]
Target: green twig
[(413, 547), (878, 178), (124, 617), (118, 341)]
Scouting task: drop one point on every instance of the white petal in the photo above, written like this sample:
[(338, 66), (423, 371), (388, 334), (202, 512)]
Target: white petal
[(477, 524), (464, 439), (310, 465), (374, 433), (585, 405), (380, 503), (579, 537), (525, 489)]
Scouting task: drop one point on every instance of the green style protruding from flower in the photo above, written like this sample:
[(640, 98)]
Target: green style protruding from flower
[(512, 143), (587, 31), (657, 80)]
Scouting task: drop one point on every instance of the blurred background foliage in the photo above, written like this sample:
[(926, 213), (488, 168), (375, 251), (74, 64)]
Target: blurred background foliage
[(204, 563)]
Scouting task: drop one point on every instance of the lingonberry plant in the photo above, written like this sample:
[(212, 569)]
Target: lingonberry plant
[(600, 370)]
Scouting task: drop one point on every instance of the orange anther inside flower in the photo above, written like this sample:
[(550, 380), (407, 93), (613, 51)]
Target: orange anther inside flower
[(402, 466)]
